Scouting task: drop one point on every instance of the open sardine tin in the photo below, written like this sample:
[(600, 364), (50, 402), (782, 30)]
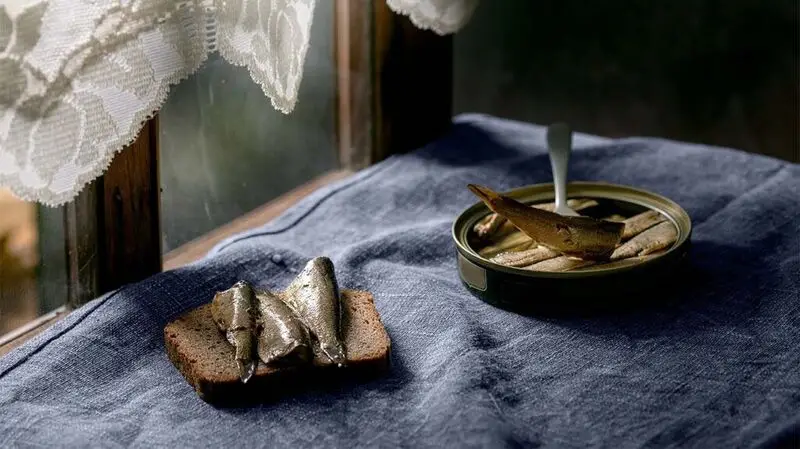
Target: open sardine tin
[(586, 289)]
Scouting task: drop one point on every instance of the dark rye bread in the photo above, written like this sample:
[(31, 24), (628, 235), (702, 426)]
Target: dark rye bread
[(202, 355)]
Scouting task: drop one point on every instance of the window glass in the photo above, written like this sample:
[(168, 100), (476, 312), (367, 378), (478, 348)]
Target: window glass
[(224, 150)]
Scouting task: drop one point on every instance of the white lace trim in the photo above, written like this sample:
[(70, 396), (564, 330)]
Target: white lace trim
[(440, 16), (64, 119), (271, 39), (78, 78)]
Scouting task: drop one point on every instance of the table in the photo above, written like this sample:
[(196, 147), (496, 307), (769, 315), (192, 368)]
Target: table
[(716, 366)]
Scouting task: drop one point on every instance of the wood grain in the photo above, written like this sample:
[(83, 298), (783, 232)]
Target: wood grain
[(394, 83), (112, 228), (354, 80), (414, 83), (131, 212)]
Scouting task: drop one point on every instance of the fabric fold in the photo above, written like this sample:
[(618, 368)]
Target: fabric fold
[(711, 364)]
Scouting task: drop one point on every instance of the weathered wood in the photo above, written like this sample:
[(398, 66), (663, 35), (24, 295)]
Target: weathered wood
[(82, 232), (112, 228), (414, 83), (394, 83), (354, 81)]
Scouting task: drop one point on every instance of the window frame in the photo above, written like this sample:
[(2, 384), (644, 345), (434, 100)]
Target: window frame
[(393, 94)]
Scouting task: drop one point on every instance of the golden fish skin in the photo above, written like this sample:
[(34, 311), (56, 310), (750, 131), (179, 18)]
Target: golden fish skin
[(583, 237), (560, 263), (615, 217), (629, 261), (281, 335), (504, 230), (314, 298), (488, 225), (495, 225), (654, 239), (232, 311), (512, 242), (641, 222), (524, 258)]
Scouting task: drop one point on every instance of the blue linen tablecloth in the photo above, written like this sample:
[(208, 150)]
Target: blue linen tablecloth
[(717, 367)]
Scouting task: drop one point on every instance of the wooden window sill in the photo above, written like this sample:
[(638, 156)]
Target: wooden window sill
[(190, 252)]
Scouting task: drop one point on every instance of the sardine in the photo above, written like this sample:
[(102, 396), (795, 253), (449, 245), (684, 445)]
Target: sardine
[(232, 311), (504, 230), (615, 217), (583, 237), (512, 242), (281, 335), (495, 225), (314, 297), (560, 263), (641, 222), (654, 239), (576, 204), (487, 225), (619, 263), (524, 258)]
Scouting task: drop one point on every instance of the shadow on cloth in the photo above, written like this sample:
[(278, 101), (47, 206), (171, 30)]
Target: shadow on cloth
[(332, 389), (711, 287), (708, 271)]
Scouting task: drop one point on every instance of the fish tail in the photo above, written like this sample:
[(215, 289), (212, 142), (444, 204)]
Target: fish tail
[(335, 354), (487, 195), (514, 211), (246, 369)]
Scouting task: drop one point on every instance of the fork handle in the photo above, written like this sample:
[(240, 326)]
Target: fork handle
[(559, 143)]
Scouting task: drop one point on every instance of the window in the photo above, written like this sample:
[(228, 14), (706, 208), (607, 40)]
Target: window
[(219, 159), (224, 150)]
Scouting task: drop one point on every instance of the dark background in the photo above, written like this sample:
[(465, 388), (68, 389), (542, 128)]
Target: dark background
[(706, 71)]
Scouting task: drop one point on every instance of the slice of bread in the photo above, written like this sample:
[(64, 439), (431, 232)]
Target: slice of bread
[(200, 352)]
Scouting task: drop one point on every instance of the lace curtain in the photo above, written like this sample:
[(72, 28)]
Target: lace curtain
[(79, 77)]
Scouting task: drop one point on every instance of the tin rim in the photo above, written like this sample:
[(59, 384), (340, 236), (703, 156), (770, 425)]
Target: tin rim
[(543, 192)]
